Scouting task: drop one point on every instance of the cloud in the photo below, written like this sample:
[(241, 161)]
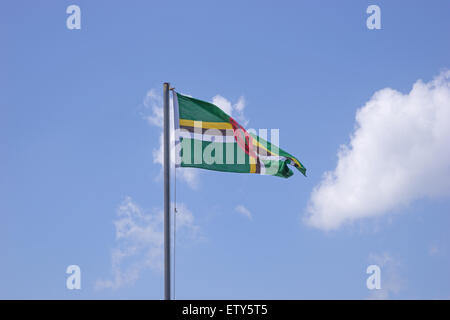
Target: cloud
[(391, 281), (154, 102), (398, 153), (234, 110), (139, 239), (244, 211)]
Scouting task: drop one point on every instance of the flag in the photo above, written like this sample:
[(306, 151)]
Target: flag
[(208, 138)]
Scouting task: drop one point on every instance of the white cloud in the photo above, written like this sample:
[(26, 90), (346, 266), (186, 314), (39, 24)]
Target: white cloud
[(398, 153), (244, 211), (234, 110), (154, 102), (186, 227), (139, 238), (223, 104), (392, 282)]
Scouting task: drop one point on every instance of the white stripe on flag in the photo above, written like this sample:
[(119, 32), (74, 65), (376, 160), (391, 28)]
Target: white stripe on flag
[(176, 125), (206, 137)]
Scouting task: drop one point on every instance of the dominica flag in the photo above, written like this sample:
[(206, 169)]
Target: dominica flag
[(208, 138)]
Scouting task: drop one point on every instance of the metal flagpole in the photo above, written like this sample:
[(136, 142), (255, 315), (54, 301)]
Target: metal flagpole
[(166, 192)]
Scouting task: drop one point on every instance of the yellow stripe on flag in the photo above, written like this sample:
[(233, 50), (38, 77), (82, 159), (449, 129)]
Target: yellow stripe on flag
[(206, 124)]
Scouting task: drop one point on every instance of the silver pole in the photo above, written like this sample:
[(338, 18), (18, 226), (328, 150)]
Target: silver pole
[(166, 192)]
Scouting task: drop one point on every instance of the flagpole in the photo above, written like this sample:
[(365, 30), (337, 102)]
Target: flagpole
[(166, 192)]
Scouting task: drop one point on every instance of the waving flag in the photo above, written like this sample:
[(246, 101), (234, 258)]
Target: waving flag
[(210, 139)]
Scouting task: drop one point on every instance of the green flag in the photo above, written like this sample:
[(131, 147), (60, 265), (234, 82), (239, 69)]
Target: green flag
[(210, 139)]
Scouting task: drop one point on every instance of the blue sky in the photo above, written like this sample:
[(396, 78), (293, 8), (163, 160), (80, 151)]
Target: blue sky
[(78, 147)]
